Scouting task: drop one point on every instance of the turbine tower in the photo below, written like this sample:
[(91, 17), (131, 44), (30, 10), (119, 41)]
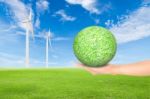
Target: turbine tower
[(29, 29), (48, 43)]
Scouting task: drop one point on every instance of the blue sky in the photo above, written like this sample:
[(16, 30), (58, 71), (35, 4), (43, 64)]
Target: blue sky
[(129, 21)]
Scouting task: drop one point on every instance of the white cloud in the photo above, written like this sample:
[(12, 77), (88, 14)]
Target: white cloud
[(146, 1), (134, 27), (7, 30), (97, 21), (89, 5), (11, 27), (61, 38), (11, 60), (37, 23), (19, 10), (42, 36), (109, 23), (55, 56), (42, 5), (64, 16)]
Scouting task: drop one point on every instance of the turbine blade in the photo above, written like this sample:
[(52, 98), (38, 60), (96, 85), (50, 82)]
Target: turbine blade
[(30, 24), (50, 44), (32, 31), (49, 32), (30, 28), (30, 15)]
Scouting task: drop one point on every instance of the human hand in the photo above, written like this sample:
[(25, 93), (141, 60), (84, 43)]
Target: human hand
[(108, 69), (136, 69)]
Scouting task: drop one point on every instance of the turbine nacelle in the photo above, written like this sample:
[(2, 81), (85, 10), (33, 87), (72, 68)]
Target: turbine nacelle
[(48, 37), (28, 23)]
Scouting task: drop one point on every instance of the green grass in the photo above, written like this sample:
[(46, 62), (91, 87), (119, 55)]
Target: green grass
[(70, 84)]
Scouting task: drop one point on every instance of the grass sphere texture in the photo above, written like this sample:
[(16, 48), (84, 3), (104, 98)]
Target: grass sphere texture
[(94, 46)]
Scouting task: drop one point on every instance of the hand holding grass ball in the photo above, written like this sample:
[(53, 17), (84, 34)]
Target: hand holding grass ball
[(94, 46)]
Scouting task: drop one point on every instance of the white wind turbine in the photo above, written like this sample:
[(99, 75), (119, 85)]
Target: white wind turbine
[(48, 43), (29, 29)]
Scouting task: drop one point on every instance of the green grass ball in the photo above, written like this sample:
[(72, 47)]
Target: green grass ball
[(94, 46)]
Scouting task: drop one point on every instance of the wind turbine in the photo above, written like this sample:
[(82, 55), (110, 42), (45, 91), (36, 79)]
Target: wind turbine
[(29, 29), (48, 43)]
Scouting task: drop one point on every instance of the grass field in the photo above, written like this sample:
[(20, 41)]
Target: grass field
[(70, 84)]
